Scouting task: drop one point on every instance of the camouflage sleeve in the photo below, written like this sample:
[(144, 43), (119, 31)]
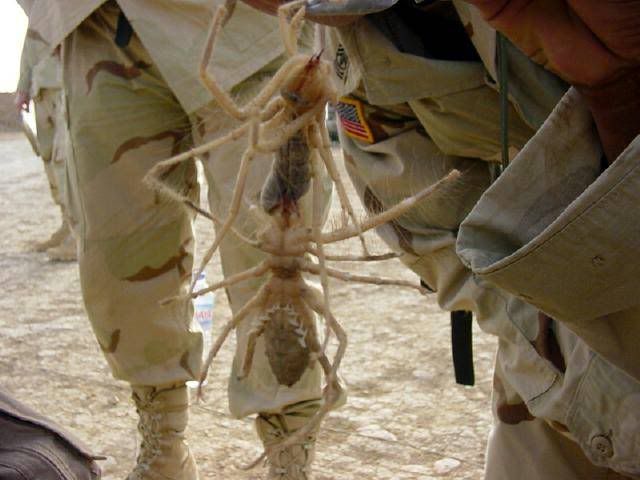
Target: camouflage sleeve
[(26, 66)]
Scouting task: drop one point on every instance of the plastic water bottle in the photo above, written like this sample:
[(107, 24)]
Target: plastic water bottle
[(202, 320), (203, 312)]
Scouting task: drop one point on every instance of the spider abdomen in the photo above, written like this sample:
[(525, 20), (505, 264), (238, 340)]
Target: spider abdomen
[(286, 344), (290, 174)]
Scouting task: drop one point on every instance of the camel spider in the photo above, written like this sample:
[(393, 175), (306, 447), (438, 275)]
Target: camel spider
[(287, 117)]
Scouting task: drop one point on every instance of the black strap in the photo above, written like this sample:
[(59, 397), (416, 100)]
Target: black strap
[(503, 82), (124, 30), (462, 346)]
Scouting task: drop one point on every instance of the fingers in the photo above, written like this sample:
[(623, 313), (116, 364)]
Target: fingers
[(574, 42), (615, 22), (266, 6), (325, 17), (491, 9), (324, 8), (22, 101)]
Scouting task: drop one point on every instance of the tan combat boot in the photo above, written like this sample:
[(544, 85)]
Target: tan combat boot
[(294, 462), (55, 239), (164, 453), (66, 251)]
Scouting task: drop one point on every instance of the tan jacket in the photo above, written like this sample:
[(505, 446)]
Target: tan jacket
[(174, 32), (561, 235), (384, 73)]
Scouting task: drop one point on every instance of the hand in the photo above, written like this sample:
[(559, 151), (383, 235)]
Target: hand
[(586, 42), (22, 101), (271, 7), (593, 44)]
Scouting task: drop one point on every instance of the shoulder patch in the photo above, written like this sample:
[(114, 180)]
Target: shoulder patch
[(352, 119)]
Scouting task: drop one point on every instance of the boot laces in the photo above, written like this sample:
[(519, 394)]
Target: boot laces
[(149, 430), (292, 462)]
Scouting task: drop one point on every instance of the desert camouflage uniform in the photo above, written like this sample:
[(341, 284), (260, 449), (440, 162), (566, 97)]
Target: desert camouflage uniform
[(130, 106), (562, 407), (41, 79)]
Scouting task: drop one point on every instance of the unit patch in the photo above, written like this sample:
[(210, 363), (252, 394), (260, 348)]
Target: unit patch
[(341, 63)]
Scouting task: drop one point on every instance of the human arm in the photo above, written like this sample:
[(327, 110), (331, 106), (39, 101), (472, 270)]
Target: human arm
[(23, 89), (22, 100), (592, 44)]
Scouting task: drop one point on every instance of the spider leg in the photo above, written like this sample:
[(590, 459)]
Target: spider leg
[(256, 271), (251, 348), (320, 37), (333, 388), (220, 17), (283, 73), (230, 5), (208, 215), (314, 346), (325, 142), (349, 277), (152, 177), (323, 147), (221, 96), (313, 299), (272, 108), (356, 258), (236, 200), (217, 221), (281, 133), (289, 29), (399, 209), (257, 302), (316, 233)]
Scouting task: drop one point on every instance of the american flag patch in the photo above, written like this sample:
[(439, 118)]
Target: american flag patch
[(352, 119)]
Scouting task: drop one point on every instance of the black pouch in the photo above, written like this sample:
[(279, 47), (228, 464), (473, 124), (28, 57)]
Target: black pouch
[(34, 448)]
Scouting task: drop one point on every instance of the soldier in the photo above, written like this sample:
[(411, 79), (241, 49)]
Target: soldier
[(130, 70), (420, 85), (570, 211), (40, 81)]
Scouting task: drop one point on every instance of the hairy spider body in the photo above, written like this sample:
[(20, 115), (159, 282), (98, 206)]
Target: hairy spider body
[(285, 318), (286, 343)]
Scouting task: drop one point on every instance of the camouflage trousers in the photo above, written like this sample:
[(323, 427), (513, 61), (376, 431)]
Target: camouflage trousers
[(53, 144), (549, 386), (136, 247)]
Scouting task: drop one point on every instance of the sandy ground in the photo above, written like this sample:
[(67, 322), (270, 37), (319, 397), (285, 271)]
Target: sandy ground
[(405, 418)]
